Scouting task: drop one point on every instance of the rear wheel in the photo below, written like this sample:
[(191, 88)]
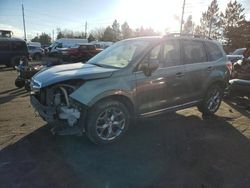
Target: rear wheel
[(212, 100), (108, 121)]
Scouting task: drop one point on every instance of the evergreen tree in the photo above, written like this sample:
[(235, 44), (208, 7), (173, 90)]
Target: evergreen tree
[(126, 31), (91, 38), (44, 39), (231, 21), (209, 23), (188, 26), (109, 35), (116, 30)]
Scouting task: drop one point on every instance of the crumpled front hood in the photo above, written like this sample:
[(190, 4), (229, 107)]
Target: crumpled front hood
[(65, 72)]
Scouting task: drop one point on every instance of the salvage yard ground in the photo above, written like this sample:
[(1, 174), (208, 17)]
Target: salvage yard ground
[(180, 149)]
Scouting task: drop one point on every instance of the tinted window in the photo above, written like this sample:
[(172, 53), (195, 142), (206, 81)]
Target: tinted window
[(82, 47), (193, 52), (213, 50), (18, 45), (171, 53), (4, 45)]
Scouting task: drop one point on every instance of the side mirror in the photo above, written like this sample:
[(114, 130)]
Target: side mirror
[(148, 67)]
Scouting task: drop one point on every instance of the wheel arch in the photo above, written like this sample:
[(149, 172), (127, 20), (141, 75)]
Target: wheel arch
[(120, 98)]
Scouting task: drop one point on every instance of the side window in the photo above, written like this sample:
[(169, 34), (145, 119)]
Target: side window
[(16, 46), (214, 52), (4, 46), (193, 52), (155, 53), (171, 53)]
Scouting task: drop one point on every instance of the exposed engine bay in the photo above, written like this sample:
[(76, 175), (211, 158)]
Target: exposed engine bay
[(56, 105)]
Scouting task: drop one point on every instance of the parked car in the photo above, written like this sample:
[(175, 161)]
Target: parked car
[(63, 43), (133, 78), (239, 51), (236, 55), (11, 50), (36, 52), (239, 85), (80, 52)]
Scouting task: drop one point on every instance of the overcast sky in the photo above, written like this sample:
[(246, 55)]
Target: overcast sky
[(44, 16)]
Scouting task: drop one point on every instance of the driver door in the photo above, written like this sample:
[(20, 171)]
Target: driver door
[(163, 88)]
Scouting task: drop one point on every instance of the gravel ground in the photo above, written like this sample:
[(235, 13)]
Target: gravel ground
[(182, 149)]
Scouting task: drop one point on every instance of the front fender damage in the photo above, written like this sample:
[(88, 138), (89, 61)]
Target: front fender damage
[(56, 107)]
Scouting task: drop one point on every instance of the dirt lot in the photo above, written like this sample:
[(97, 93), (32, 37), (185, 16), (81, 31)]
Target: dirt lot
[(181, 150)]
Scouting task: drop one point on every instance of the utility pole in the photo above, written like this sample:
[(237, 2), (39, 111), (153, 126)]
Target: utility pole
[(182, 15), (53, 35), (24, 28), (86, 27)]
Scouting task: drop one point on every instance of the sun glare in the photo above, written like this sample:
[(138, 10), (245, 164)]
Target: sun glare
[(158, 14)]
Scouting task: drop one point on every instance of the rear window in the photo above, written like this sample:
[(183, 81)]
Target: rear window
[(193, 52), (91, 47), (18, 45), (4, 46), (213, 50), (83, 47)]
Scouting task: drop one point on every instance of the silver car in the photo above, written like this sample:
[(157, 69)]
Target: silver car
[(35, 52)]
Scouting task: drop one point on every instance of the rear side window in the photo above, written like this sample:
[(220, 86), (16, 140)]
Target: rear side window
[(213, 50), (18, 46), (193, 52), (4, 46)]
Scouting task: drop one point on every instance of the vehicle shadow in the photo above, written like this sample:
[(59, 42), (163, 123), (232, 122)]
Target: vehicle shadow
[(166, 151), (241, 104), (8, 95), (4, 68)]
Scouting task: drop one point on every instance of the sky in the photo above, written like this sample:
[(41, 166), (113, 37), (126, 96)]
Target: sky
[(46, 16)]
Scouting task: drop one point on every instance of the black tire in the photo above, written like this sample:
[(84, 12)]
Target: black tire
[(212, 100), (19, 83), (37, 56), (102, 124)]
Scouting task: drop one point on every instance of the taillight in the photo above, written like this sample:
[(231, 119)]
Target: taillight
[(229, 67)]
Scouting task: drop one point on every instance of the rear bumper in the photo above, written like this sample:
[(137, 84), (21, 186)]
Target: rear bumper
[(46, 112)]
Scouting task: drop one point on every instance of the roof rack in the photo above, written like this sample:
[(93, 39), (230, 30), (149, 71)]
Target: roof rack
[(187, 35)]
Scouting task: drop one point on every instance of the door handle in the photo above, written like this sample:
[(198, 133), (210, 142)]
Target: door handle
[(179, 74), (209, 69)]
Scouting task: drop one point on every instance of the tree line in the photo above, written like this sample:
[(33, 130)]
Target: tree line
[(229, 27)]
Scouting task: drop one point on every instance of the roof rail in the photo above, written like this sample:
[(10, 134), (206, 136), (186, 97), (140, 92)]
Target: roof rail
[(187, 35)]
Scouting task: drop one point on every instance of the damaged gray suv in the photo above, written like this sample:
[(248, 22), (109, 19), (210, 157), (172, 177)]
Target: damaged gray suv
[(134, 78)]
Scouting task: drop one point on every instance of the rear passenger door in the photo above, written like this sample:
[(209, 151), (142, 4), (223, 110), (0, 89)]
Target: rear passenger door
[(196, 67)]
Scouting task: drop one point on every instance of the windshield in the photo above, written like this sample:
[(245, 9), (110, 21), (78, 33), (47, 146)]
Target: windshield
[(120, 54)]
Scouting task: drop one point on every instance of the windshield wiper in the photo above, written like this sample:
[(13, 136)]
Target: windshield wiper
[(105, 66)]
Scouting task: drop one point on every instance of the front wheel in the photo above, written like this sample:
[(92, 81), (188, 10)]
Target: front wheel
[(212, 100), (108, 121), (19, 83)]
